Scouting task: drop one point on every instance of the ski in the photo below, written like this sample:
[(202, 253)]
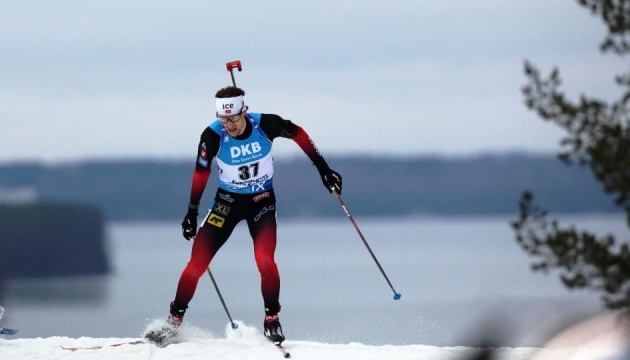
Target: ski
[(6, 331), (97, 347), (284, 351), (281, 348)]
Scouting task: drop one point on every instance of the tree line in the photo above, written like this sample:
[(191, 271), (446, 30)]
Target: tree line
[(136, 190)]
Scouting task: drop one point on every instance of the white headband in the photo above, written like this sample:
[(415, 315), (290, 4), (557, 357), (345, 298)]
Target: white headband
[(229, 106)]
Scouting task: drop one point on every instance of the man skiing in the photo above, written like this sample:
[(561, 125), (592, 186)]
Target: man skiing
[(241, 142)]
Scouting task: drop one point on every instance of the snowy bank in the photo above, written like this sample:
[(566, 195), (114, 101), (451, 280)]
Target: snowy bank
[(235, 349), (248, 344)]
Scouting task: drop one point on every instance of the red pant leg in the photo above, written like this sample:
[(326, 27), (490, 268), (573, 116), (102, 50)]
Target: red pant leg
[(206, 244), (263, 232)]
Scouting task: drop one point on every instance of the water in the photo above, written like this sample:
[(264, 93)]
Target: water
[(460, 278)]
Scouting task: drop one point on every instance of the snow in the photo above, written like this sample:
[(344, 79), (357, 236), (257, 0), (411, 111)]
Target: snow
[(247, 342)]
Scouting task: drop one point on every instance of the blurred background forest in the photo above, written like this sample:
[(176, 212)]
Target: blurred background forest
[(130, 190)]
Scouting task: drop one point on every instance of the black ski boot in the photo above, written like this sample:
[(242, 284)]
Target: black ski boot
[(273, 329), (167, 333)]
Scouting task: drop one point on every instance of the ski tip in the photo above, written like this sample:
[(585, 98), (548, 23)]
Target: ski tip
[(5, 331), (285, 353), (397, 296)]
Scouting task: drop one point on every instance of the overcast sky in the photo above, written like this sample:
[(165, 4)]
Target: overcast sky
[(109, 79)]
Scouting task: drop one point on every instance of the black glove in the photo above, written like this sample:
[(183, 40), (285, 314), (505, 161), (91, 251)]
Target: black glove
[(189, 225), (331, 180)]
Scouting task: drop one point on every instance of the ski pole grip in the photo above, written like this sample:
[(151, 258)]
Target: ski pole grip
[(236, 64)]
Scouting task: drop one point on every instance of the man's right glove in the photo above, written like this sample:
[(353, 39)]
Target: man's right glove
[(331, 180), (189, 225)]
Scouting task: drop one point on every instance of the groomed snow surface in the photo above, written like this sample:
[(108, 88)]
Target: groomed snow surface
[(597, 339)]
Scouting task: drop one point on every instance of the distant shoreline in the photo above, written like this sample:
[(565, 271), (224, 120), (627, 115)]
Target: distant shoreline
[(483, 185)]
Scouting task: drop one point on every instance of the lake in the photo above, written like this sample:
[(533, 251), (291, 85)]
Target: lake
[(461, 278)]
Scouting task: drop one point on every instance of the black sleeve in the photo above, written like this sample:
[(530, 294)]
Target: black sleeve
[(208, 145), (275, 126)]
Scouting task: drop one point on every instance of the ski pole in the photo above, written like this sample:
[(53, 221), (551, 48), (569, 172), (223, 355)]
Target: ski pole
[(343, 205), (236, 64), (216, 287)]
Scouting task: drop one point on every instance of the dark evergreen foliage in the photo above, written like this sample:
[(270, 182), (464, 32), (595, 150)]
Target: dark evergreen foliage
[(597, 136)]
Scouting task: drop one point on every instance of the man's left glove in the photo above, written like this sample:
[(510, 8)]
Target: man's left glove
[(331, 180), (189, 225)]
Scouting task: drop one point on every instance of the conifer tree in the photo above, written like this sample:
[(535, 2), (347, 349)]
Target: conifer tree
[(598, 136)]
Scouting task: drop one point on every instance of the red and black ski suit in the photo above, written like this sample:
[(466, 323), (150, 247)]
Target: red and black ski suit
[(228, 209)]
